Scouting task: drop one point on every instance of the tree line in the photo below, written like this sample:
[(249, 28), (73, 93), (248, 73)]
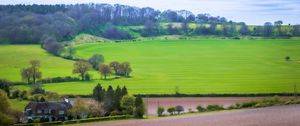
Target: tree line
[(52, 24), (23, 24)]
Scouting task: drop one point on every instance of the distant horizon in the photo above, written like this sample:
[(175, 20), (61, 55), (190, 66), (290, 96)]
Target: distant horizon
[(251, 12)]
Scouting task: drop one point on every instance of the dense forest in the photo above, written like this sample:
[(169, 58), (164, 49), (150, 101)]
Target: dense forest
[(50, 24)]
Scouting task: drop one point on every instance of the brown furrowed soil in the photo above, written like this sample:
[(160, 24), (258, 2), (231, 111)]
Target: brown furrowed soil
[(192, 103), (270, 116)]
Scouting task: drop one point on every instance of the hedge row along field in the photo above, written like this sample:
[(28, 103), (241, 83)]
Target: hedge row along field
[(194, 66)]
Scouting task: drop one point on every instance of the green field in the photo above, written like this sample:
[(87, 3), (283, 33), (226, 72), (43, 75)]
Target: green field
[(195, 66), (15, 57)]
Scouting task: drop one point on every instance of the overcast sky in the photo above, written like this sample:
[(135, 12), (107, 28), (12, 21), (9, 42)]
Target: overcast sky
[(249, 11)]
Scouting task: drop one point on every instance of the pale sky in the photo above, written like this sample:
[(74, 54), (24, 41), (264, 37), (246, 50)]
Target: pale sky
[(249, 11)]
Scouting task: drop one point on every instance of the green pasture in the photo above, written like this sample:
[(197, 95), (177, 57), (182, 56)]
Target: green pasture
[(194, 66), (15, 57)]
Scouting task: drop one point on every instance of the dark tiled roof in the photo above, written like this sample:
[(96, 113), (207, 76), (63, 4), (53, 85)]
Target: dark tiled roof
[(48, 105)]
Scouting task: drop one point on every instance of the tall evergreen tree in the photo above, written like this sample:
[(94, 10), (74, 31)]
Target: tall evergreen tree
[(99, 93), (124, 91), (109, 99), (117, 99), (139, 107)]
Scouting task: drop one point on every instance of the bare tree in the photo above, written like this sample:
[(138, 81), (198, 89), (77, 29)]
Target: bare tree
[(81, 67), (114, 65), (104, 70)]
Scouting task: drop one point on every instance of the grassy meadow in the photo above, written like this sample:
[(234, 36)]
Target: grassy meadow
[(15, 57), (195, 66)]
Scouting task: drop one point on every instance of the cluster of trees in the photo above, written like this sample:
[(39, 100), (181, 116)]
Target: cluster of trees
[(160, 110), (120, 69), (118, 102), (8, 116), (28, 23), (32, 73), (228, 29)]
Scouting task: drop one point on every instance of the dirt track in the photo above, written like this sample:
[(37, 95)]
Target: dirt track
[(271, 116)]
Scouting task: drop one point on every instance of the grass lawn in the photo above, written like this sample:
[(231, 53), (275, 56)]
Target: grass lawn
[(18, 104), (15, 57), (195, 66)]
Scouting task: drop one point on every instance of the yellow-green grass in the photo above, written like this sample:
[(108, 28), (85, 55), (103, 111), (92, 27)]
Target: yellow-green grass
[(196, 66), (18, 104), (15, 57)]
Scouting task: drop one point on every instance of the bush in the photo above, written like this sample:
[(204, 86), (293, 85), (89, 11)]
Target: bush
[(37, 89), (58, 79), (171, 110), (248, 104), (214, 107), (160, 111), (16, 94), (5, 120), (179, 109), (200, 108)]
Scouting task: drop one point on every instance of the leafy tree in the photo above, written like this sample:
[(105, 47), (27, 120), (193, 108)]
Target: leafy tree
[(244, 30), (70, 52), (104, 70), (4, 85), (96, 109), (5, 119), (114, 33), (80, 109), (127, 103), (114, 65), (124, 69), (99, 93), (151, 28), (278, 24), (81, 67), (52, 46), (185, 27), (171, 110), (96, 60), (139, 107), (296, 30), (200, 108), (160, 111), (268, 29), (32, 73), (179, 109), (26, 74)]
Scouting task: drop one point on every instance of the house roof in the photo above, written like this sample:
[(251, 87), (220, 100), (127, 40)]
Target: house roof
[(48, 105)]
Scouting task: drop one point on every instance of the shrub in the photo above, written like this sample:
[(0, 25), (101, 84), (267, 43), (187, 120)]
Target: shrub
[(232, 107), (171, 110), (58, 79), (248, 104), (179, 109), (200, 108), (160, 111), (37, 89), (16, 94), (214, 107), (24, 95)]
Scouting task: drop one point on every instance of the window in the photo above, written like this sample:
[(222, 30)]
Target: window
[(39, 111), (61, 112)]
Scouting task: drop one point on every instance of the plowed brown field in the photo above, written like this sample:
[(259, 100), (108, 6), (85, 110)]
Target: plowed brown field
[(270, 116)]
